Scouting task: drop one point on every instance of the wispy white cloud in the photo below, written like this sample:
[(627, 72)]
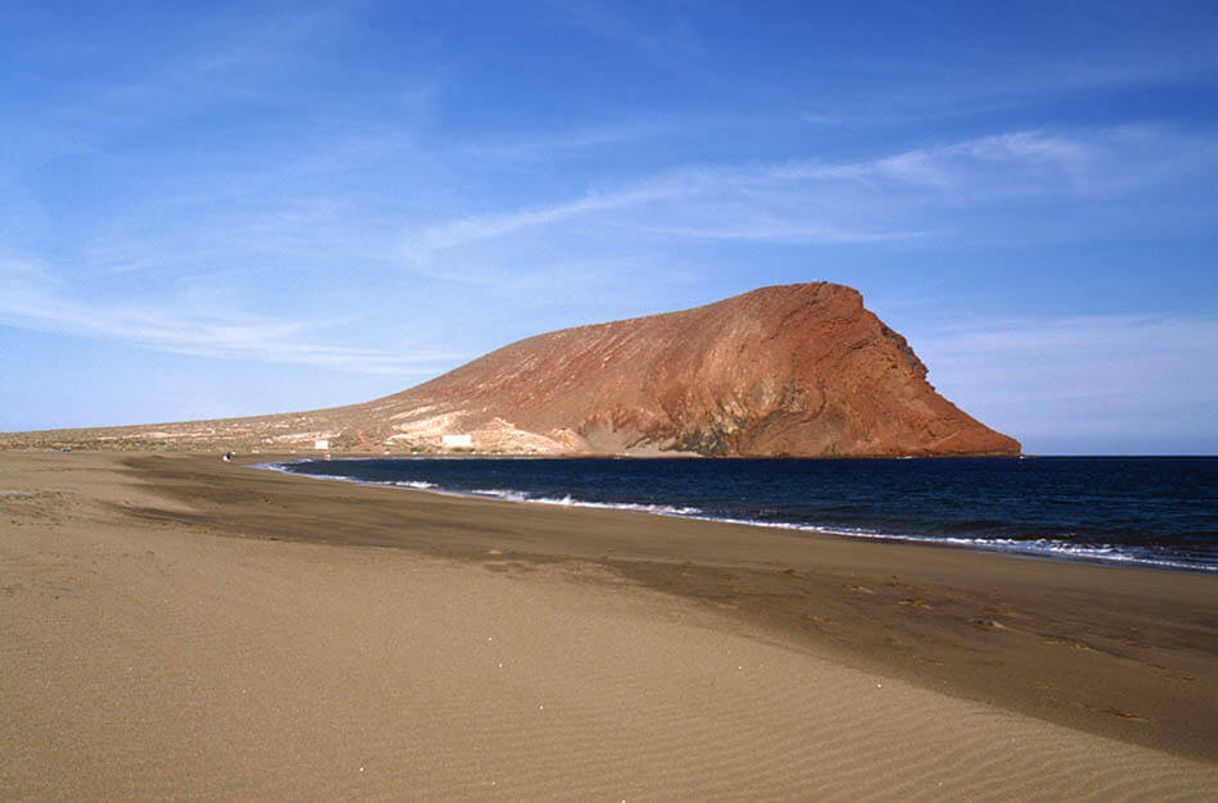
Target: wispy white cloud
[(785, 231), (1024, 164), (220, 59), (463, 230), (935, 191), (551, 145), (30, 298), (1120, 379)]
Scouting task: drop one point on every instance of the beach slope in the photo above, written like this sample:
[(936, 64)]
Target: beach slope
[(175, 627)]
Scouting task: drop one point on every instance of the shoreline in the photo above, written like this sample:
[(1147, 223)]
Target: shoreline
[(176, 621), (1090, 632), (1044, 548)]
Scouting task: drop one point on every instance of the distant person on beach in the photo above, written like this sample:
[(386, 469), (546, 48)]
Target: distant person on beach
[(228, 457)]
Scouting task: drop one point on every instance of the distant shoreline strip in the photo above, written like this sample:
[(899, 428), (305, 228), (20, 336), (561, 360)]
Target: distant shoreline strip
[(1043, 548)]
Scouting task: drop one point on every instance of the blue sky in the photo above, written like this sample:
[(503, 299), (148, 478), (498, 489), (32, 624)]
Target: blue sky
[(243, 208)]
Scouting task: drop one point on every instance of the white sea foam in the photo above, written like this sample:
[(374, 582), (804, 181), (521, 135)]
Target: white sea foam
[(282, 468), (419, 484), (570, 501), (659, 510)]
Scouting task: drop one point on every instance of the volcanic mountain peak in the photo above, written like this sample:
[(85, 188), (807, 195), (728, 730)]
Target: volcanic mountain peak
[(800, 370)]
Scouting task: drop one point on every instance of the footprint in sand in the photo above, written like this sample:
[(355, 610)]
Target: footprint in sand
[(1112, 710), (989, 624)]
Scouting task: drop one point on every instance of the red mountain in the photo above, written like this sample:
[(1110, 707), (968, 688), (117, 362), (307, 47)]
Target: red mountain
[(802, 370)]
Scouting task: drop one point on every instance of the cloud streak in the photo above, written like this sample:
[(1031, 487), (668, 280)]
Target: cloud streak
[(29, 300), (1110, 379), (911, 195)]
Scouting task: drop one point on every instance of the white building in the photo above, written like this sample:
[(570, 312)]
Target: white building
[(457, 441), (321, 444)]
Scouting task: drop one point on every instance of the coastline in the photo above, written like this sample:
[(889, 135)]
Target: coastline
[(1035, 548), (1110, 663)]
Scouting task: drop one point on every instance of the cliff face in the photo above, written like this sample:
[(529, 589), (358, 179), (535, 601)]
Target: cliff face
[(800, 370)]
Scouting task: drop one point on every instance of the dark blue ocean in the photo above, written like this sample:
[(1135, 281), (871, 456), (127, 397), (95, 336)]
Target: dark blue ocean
[(1155, 511)]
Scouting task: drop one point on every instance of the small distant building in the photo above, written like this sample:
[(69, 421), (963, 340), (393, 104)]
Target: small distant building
[(321, 444), (457, 441)]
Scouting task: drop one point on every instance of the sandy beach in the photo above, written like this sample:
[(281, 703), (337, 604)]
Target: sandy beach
[(176, 627)]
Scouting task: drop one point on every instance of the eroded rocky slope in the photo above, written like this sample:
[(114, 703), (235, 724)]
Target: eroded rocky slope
[(800, 370)]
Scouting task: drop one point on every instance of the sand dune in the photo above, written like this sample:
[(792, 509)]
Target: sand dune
[(153, 660)]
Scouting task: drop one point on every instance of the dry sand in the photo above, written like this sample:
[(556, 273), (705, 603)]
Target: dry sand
[(157, 641)]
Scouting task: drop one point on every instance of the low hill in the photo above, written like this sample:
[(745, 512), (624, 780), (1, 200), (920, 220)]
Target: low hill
[(800, 370)]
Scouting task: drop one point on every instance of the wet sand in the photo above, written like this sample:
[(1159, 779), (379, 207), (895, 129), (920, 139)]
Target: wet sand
[(175, 626)]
